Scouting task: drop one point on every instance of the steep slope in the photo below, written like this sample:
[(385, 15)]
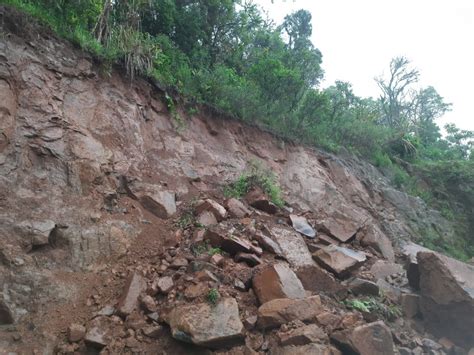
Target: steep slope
[(93, 167)]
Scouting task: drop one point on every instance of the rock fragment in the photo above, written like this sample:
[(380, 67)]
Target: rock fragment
[(129, 300), (213, 326), (339, 260), (283, 310), (276, 281), (301, 225)]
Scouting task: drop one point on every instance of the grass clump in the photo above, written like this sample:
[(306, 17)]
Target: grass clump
[(256, 176), (213, 296)]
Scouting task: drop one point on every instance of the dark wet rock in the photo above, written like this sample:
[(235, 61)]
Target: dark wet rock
[(6, 315), (339, 260), (276, 281), (283, 310), (213, 326), (301, 225), (363, 287), (250, 259), (410, 251), (447, 297), (128, 302), (218, 237), (257, 199)]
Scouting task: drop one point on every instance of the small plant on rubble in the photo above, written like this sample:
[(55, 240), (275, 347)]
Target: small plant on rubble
[(213, 296), (256, 176), (375, 306)]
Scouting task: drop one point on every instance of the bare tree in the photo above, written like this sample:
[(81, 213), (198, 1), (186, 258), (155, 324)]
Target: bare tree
[(397, 96)]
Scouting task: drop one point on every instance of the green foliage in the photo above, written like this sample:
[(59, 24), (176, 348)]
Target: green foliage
[(379, 307), (256, 176), (213, 296), (214, 251)]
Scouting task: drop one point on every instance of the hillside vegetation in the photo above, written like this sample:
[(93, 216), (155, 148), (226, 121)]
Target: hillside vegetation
[(227, 55)]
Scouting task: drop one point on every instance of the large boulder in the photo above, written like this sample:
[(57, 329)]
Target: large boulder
[(447, 297), (283, 310), (161, 203), (212, 326), (293, 247), (373, 237), (339, 260), (339, 226), (368, 339), (277, 281), (314, 278), (410, 251)]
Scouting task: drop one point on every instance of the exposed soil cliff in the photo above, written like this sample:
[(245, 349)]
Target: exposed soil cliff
[(95, 174)]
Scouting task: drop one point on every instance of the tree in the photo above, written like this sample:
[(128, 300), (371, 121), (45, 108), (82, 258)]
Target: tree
[(395, 98)]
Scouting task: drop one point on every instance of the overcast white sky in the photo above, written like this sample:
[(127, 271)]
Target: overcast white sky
[(359, 37)]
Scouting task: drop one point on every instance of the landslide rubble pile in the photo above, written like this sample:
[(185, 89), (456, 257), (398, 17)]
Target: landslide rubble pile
[(116, 236), (235, 287)]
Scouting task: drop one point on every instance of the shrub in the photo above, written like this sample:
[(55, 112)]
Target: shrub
[(256, 176)]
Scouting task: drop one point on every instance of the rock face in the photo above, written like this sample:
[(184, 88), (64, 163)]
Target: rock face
[(283, 310), (101, 155), (208, 325), (447, 297), (277, 281), (339, 260)]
